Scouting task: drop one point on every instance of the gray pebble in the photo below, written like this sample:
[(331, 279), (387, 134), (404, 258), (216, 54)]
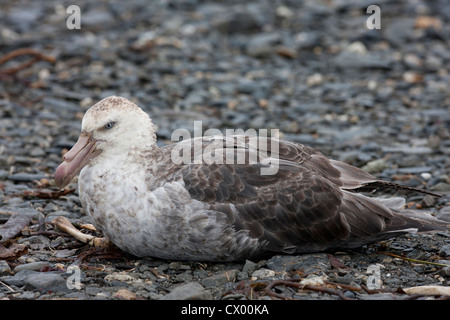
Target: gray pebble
[(375, 166), (377, 296), (26, 177), (263, 273), (68, 214), (59, 104), (444, 251), (35, 242), (235, 22), (249, 267), (415, 170), (234, 296), (21, 208), (36, 266), (188, 291), (444, 214), (308, 263), (45, 280), (220, 279), (350, 60), (445, 271), (3, 174), (28, 295), (407, 150), (349, 294), (262, 45), (18, 279), (4, 268), (441, 186), (177, 265), (183, 277), (242, 276)]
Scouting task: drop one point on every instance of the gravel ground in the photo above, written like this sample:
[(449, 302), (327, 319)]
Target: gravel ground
[(377, 99)]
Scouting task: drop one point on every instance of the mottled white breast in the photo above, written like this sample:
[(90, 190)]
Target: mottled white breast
[(165, 222)]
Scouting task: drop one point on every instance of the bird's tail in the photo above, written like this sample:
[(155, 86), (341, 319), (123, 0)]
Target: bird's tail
[(409, 220)]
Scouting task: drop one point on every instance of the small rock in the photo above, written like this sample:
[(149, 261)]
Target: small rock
[(308, 263), (28, 295), (21, 208), (375, 166), (18, 278), (441, 186), (426, 175), (220, 279), (445, 271), (36, 266), (305, 40), (345, 279), (242, 276), (412, 60), (125, 294), (351, 60), (235, 22), (262, 45), (407, 150), (3, 174), (349, 294), (97, 18), (26, 177), (35, 242), (45, 280), (4, 268), (234, 296), (59, 104), (313, 280), (57, 213), (262, 273), (424, 22), (445, 251), (357, 47), (284, 12), (400, 31), (118, 278), (444, 214), (177, 265), (286, 52), (64, 253), (429, 290), (314, 80), (377, 296), (183, 277), (188, 291), (50, 207), (415, 170), (249, 267), (428, 201), (412, 77)]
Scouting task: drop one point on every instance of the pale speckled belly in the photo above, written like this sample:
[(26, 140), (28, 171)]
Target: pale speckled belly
[(164, 223)]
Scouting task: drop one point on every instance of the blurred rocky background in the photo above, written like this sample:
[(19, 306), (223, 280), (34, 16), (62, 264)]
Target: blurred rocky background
[(375, 98)]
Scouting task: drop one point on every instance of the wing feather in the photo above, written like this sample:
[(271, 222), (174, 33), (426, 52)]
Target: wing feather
[(295, 206)]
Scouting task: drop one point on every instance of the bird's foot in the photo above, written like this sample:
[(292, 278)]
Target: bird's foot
[(65, 225)]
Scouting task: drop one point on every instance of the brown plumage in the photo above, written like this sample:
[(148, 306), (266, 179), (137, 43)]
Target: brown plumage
[(309, 205)]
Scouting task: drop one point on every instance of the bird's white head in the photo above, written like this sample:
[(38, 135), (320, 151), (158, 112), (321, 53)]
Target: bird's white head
[(112, 127)]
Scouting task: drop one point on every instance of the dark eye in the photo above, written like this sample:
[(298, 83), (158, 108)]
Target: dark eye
[(109, 125)]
